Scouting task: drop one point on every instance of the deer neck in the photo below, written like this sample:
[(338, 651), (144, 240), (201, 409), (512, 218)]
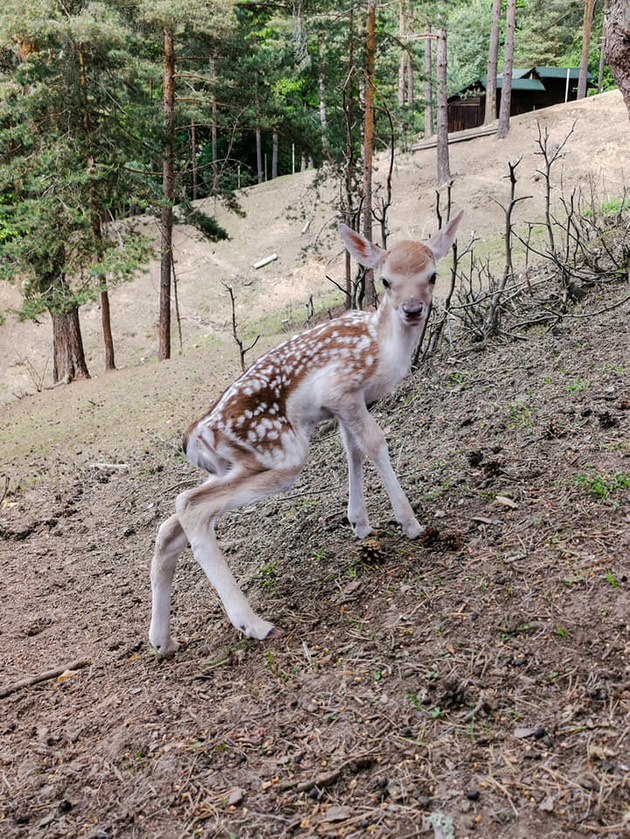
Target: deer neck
[(396, 344), (397, 341)]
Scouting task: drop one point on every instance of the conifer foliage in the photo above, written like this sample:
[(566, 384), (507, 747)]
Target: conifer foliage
[(109, 109)]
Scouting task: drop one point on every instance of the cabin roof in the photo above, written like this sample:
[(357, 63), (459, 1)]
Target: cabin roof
[(529, 78)]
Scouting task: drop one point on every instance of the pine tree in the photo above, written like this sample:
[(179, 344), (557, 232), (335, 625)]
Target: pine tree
[(62, 141), (188, 35)]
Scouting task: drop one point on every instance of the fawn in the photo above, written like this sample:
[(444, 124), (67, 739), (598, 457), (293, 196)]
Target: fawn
[(254, 441)]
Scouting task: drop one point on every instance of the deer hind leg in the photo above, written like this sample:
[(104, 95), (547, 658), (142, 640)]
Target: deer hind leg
[(171, 541), (357, 512), (360, 425), (197, 511)]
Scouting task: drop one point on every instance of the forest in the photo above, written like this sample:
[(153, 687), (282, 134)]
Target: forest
[(471, 682), (115, 108)]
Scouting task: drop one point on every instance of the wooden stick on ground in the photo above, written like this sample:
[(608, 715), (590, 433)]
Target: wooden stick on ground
[(43, 677)]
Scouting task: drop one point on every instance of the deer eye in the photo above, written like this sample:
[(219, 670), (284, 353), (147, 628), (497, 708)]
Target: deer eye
[(386, 283), (432, 279)]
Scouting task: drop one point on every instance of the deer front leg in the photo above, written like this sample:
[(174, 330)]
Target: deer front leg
[(357, 512), (363, 428), (171, 541)]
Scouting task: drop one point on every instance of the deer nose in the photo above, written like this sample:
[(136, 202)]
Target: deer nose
[(413, 309)]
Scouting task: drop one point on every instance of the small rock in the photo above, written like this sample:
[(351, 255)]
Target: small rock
[(235, 797), (50, 817), (522, 733), (547, 805), (337, 814)]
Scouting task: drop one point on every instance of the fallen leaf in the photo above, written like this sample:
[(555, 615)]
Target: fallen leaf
[(67, 674), (599, 752), (546, 805), (506, 502)]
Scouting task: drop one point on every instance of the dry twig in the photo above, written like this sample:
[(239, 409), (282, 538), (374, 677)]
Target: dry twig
[(43, 677)]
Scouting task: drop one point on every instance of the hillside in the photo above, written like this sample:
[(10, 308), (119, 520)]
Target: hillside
[(474, 682), (597, 155)]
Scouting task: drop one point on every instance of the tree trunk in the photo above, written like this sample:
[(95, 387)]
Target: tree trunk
[(213, 131), (193, 161), (410, 88), (274, 155), (368, 142), (95, 219), (106, 326), (493, 63), (68, 356), (506, 79), (617, 45), (428, 84), (402, 61), (323, 110), (602, 52), (587, 28), (443, 163), (168, 186), (259, 159), (349, 162)]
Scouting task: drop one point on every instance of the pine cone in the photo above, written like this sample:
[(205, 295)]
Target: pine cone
[(370, 553), (429, 536)]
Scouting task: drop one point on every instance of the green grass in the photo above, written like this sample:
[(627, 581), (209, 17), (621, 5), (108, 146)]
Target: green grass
[(601, 486)]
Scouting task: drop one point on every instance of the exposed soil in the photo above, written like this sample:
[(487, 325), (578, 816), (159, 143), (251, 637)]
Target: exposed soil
[(475, 682)]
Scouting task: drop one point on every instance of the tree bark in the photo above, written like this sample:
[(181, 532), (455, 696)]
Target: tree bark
[(214, 130), (274, 155), (428, 84), (368, 142), (493, 64), (323, 109), (106, 326), (443, 163), (259, 158), (602, 52), (95, 219), (402, 61), (506, 79), (349, 162), (587, 28), (68, 355), (168, 186), (193, 160), (617, 45), (410, 86)]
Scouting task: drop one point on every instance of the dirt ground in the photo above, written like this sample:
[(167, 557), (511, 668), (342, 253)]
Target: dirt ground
[(473, 683)]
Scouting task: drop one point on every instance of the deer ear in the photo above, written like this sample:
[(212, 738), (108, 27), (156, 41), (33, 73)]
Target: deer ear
[(360, 248), (442, 241)]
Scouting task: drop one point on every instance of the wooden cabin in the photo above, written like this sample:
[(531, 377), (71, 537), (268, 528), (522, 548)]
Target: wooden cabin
[(532, 88)]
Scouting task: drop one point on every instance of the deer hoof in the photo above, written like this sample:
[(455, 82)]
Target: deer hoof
[(167, 649), (412, 530)]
